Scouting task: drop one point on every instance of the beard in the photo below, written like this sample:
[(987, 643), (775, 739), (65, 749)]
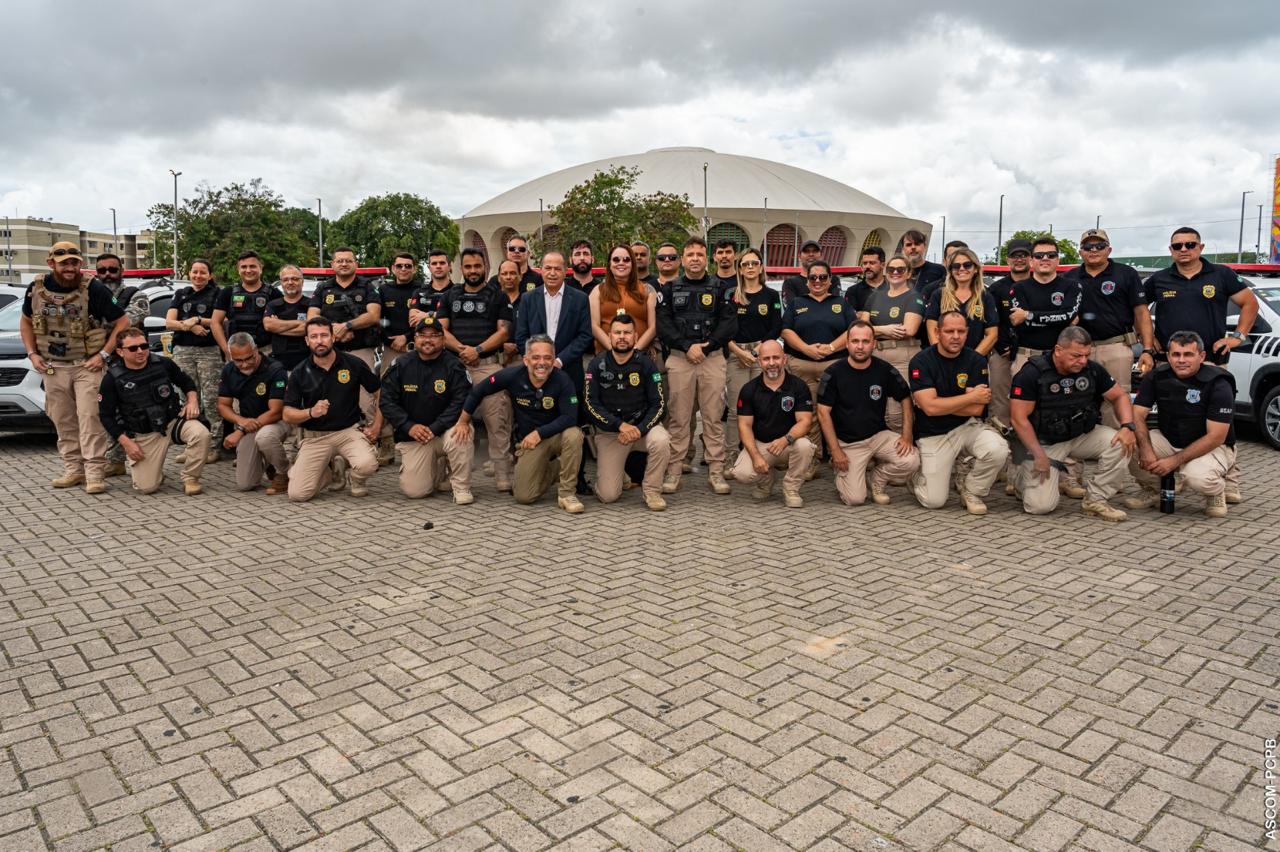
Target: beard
[(321, 349), (581, 268), (623, 348)]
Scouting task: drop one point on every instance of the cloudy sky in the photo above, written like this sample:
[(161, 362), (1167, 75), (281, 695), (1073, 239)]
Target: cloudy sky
[(1151, 114)]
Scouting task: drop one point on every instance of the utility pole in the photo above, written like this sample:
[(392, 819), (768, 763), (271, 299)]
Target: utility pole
[(115, 235), (1240, 246), (1000, 230), (8, 245), (542, 229), (1257, 247), (944, 231), (1097, 223), (706, 220), (765, 239), (320, 227), (173, 276)]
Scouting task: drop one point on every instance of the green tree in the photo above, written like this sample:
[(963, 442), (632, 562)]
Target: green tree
[(382, 225), (220, 224), (1068, 252), (607, 210)]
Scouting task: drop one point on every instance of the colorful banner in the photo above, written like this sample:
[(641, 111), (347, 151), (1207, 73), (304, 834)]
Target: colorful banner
[(1275, 218)]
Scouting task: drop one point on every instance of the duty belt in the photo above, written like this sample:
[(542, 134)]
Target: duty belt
[(1128, 337), (488, 359), (896, 344)]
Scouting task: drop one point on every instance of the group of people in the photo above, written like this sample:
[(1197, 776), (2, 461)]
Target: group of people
[(916, 374)]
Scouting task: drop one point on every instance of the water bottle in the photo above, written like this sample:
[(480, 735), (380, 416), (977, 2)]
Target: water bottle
[(1167, 486)]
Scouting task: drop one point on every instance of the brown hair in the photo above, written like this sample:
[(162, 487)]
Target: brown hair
[(611, 289)]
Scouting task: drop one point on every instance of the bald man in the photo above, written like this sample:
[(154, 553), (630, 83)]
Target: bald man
[(775, 413)]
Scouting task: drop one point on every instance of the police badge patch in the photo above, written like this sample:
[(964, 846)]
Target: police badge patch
[(762, 310), (876, 392), (328, 298), (1193, 395), (1057, 299), (634, 379), (548, 402), (894, 311), (706, 300), (261, 389), (962, 379), (1108, 287), (344, 376), (835, 309), (1209, 291), (1082, 383), (439, 386), (788, 403)]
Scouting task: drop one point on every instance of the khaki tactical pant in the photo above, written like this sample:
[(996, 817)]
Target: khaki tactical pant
[(795, 461), (495, 411), (1205, 475), (1000, 376), (1117, 358), (258, 449), (309, 472), (900, 358), (148, 474), (880, 448), (367, 406), (611, 459), (419, 463), (555, 458), (810, 372), (932, 483), (204, 365), (736, 376), (1041, 498), (704, 383), (71, 402)]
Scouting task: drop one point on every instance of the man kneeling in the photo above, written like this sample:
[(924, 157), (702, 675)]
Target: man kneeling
[(775, 414), (255, 384)]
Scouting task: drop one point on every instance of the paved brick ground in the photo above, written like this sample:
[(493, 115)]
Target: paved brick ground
[(236, 672)]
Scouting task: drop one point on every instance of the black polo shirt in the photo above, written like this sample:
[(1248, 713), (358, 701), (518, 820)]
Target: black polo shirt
[(773, 412), (395, 299), (1107, 299), (431, 393), (1198, 304), (858, 398), (798, 285), (1051, 308), (948, 377), (858, 292), (255, 390), (1002, 291), (340, 384), (760, 319), (814, 321), (883, 309), (987, 316), (474, 316), (529, 280), (549, 409), (287, 349), (928, 279)]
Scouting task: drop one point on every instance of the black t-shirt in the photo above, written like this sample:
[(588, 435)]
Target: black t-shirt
[(858, 398), (773, 412), (288, 350), (858, 292), (1108, 299), (1002, 291), (928, 279), (987, 317), (102, 305), (192, 303), (1051, 306), (1198, 304), (256, 390), (883, 309), (395, 307), (474, 317), (340, 384), (814, 321), (549, 409), (948, 377), (760, 319), (427, 393)]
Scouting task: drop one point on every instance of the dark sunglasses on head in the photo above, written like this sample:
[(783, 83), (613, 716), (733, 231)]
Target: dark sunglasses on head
[(820, 277), (518, 249), (107, 270), (962, 264), (65, 253), (137, 347), (402, 266), (1044, 255), (896, 270), (1093, 247), (1188, 245), (668, 256)]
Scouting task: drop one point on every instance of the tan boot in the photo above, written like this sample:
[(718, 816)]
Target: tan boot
[(279, 485), (1215, 505), (571, 504), (792, 499), (717, 483), (212, 456), (386, 451), (1103, 509), (95, 486), (67, 480), (1071, 488), (463, 497), (972, 503), (1232, 495), (763, 487), (670, 485), (114, 469), (1146, 500), (338, 479), (192, 487), (655, 502), (359, 489), (878, 495)]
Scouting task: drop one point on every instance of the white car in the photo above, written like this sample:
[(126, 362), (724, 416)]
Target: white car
[(21, 388), (1256, 362)]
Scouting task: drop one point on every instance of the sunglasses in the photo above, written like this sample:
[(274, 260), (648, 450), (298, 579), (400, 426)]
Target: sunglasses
[(1019, 255), (1093, 247), (1044, 255), (137, 347), (402, 266), (749, 263), (65, 253), (517, 249), (1188, 245), (668, 257), (896, 270), (964, 264), (107, 270), (819, 277), (619, 260)]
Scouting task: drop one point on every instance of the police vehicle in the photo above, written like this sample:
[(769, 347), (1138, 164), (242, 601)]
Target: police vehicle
[(1256, 362)]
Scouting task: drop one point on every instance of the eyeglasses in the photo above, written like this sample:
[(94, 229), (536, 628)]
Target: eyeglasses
[(668, 256), (137, 347), (1044, 255), (619, 260), (749, 263), (517, 249), (343, 260), (108, 270), (962, 264), (1188, 245), (895, 270), (65, 252), (402, 266), (1093, 247), (820, 277)]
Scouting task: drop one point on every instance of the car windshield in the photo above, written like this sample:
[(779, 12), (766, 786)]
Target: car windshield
[(1269, 294), (10, 316)]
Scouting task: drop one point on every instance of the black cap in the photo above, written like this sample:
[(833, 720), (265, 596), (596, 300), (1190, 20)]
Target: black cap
[(428, 323), (810, 244), (1019, 245)]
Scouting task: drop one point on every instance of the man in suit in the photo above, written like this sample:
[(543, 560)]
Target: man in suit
[(563, 314)]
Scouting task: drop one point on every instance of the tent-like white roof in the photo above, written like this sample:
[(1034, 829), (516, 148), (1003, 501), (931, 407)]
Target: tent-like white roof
[(732, 182)]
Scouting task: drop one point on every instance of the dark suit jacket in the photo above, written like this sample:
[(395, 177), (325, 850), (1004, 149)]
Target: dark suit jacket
[(573, 334)]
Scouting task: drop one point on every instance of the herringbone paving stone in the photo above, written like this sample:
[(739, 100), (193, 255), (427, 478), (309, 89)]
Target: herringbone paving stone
[(236, 672)]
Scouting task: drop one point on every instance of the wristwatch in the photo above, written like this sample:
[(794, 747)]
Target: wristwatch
[(1132, 428), (790, 440), (1235, 335)]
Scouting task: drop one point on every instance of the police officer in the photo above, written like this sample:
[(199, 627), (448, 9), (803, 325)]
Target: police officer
[(353, 304), (69, 326), (1042, 305), (871, 279), (798, 285), (285, 319), (667, 258), (853, 396), (139, 406), (422, 397), (726, 260), (255, 384), (1194, 404), (110, 270), (517, 251), (1000, 361), (926, 276), (195, 350), (696, 319), (323, 398), (546, 416), (582, 261), (396, 294), (950, 390), (1056, 407), (426, 299), (640, 251), (477, 321), (625, 402), (775, 417), (241, 307)]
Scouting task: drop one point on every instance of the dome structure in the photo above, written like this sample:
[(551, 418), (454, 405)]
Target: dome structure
[(801, 205)]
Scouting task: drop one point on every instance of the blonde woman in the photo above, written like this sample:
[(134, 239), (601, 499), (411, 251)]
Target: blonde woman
[(895, 311), (759, 319), (965, 291)]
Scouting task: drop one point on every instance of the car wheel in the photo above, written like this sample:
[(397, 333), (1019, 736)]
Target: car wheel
[(1269, 417)]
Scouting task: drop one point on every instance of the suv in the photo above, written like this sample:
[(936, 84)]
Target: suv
[(1255, 363)]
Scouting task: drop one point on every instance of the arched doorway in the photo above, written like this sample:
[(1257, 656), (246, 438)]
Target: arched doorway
[(833, 243), (780, 244), (728, 231)]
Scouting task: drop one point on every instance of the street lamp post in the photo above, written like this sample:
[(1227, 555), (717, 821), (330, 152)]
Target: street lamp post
[(115, 234), (944, 230), (174, 274), (1240, 245), (1257, 247), (320, 229), (1000, 230)]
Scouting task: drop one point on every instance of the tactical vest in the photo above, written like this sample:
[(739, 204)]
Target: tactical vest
[(469, 319), (245, 311), (1182, 405), (340, 305), (63, 328), (623, 388), (694, 305), (1066, 406), (190, 303), (148, 400), (427, 299)]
